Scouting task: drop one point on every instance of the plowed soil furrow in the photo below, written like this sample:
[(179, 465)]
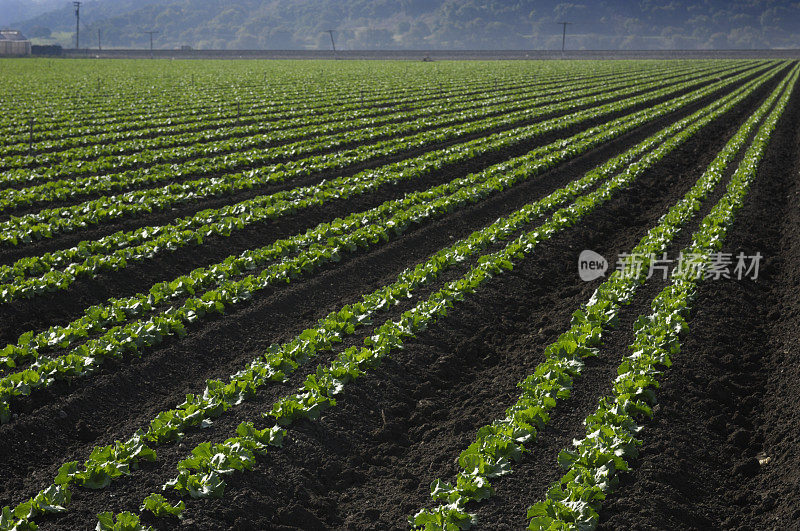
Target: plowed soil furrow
[(10, 254), (126, 395), (311, 299), (722, 449), (377, 111), (368, 462), (36, 207), (539, 470), (63, 306)]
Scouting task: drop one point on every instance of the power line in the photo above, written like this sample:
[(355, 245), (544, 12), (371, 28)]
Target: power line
[(151, 33), (332, 42), (77, 24), (564, 34)]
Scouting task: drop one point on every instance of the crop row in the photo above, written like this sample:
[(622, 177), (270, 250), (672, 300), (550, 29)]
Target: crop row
[(208, 105), (318, 391), (48, 222), (121, 111), (108, 113), (203, 473), (256, 107), (212, 289), (110, 462), (113, 461), (501, 443), (98, 116), (76, 177), (611, 442), (252, 123), (208, 223)]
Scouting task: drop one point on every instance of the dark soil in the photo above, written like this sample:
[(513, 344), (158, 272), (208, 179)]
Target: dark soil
[(369, 461), (239, 336), (722, 450), (10, 254), (61, 307)]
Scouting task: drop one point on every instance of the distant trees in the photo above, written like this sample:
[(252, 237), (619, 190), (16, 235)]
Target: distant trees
[(429, 24), (40, 32)]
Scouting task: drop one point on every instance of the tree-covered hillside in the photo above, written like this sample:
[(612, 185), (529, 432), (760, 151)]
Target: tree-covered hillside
[(429, 24)]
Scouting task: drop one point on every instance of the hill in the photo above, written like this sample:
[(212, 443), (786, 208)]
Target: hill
[(427, 24)]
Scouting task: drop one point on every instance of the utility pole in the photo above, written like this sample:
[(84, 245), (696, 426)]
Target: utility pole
[(332, 43), (99, 44), (564, 34), (77, 24), (151, 33)]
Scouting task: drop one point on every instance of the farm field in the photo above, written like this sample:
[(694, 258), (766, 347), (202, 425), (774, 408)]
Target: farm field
[(392, 295)]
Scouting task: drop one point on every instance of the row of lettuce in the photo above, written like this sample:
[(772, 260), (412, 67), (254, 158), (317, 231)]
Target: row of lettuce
[(203, 473), (257, 121), (279, 152), (34, 275), (149, 104), (611, 443), (138, 135), (130, 325), (118, 156), (49, 222), (122, 114), (119, 116), (110, 462), (501, 443)]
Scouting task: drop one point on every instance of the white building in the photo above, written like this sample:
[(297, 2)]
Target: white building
[(14, 43)]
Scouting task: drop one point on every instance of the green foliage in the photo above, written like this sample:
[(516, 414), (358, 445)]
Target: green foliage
[(422, 24), (134, 336), (499, 445), (609, 443), (121, 522), (160, 507)]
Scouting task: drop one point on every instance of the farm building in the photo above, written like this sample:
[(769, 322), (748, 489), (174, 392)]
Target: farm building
[(14, 43)]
